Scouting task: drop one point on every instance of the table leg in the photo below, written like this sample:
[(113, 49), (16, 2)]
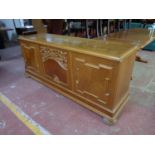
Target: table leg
[(101, 28), (139, 59), (97, 24), (87, 29)]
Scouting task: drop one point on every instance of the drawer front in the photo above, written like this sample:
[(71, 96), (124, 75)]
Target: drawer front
[(92, 78), (55, 64)]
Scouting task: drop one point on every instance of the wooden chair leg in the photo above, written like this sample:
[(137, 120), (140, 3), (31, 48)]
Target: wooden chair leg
[(131, 78), (138, 58)]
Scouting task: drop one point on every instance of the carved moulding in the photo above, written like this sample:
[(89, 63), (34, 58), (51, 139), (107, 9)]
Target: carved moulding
[(59, 56)]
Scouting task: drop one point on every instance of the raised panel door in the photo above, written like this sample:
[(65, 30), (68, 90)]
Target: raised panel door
[(55, 64), (30, 56), (93, 79)]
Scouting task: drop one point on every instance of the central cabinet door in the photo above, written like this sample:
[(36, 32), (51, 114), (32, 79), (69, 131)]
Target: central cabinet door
[(55, 64), (93, 78)]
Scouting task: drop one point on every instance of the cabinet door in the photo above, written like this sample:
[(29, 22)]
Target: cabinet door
[(30, 52), (92, 78), (55, 64)]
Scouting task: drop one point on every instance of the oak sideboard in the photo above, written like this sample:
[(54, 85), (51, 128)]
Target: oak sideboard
[(94, 73)]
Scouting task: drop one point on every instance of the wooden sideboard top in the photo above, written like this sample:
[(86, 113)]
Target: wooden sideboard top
[(108, 49), (139, 37)]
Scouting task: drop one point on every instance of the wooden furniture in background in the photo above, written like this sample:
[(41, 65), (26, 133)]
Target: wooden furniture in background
[(55, 26), (36, 27), (77, 27), (86, 28), (39, 25), (93, 73), (26, 30), (116, 25), (92, 28)]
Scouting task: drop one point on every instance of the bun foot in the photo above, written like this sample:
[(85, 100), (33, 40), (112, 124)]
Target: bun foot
[(27, 75), (109, 121)]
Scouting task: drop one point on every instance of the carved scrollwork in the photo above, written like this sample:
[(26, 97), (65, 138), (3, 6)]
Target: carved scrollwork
[(56, 79), (59, 56)]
